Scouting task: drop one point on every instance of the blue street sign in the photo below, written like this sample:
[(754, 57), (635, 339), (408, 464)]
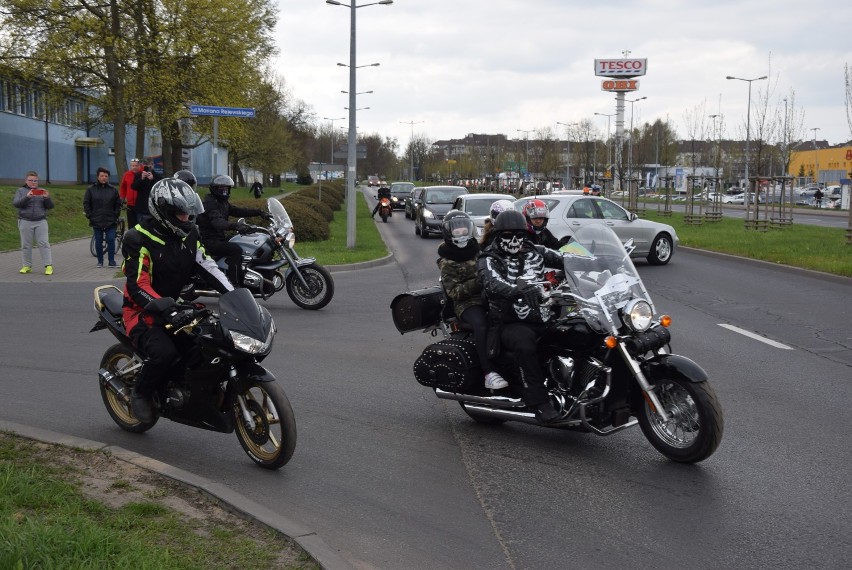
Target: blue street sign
[(210, 111)]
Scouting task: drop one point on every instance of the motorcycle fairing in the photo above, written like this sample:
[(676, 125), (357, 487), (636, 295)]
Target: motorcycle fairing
[(673, 366), (250, 371)]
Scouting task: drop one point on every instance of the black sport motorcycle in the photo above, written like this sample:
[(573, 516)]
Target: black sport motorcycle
[(606, 357), (219, 384), (270, 264)]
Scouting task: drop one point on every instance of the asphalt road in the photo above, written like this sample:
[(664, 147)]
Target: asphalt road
[(394, 478)]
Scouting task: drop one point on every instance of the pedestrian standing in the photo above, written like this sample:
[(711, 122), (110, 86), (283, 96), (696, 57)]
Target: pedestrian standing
[(143, 181), (127, 193), (818, 198), (102, 206), (33, 203)]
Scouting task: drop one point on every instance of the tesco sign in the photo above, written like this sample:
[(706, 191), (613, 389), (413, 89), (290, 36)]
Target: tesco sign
[(620, 67)]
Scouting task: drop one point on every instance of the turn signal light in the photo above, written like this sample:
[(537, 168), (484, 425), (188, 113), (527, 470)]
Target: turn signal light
[(666, 321), (610, 342)]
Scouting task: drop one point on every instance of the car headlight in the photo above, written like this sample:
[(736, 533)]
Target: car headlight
[(638, 315), (428, 213), (252, 345)]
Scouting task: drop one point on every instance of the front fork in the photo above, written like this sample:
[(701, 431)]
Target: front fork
[(248, 420), (643, 382)]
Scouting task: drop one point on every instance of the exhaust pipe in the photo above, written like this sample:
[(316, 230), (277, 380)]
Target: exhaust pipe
[(496, 401), (518, 416), (113, 385)]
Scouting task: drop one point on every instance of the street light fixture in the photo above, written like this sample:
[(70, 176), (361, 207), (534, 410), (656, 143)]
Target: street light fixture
[(630, 144), (608, 144), (527, 158), (410, 145), (748, 134), (816, 155), (332, 133), (352, 156), (568, 142), (358, 109), (716, 161), (359, 93)]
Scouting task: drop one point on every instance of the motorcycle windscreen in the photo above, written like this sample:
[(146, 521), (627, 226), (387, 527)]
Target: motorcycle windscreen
[(279, 213), (238, 311), (417, 310)]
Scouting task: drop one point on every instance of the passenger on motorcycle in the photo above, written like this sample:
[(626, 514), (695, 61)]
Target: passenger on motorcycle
[(507, 268), (187, 177), (383, 192), (458, 255), (496, 208), (213, 224), (537, 214), (161, 255)]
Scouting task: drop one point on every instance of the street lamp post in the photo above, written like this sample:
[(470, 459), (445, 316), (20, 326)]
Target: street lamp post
[(527, 156), (411, 145), (332, 133), (630, 144), (352, 156), (816, 156), (748, 134), (568, 142), (608, 143)]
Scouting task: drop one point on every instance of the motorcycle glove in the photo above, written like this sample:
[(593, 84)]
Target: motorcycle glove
[(178, 319), (266, 216), (531, 295), (242, 228)]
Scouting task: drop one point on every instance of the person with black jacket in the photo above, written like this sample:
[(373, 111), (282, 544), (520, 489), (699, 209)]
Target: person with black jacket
[(102, 206), (161, 255), (213, 224), (507, 268), (383, 192), (537, 214)]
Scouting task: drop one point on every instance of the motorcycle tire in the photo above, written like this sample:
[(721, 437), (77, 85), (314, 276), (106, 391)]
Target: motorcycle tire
[(481, 418), (320, 287), (272, 440), (116, 359), (695, 425), (385, 218)]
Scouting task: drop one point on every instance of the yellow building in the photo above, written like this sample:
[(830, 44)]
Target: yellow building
[(828, 165)]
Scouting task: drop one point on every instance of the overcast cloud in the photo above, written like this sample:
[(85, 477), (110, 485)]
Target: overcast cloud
[(495, 66)]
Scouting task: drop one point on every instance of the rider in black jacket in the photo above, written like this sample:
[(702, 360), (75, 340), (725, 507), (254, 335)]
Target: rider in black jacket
[(537, 214), (213, 224)]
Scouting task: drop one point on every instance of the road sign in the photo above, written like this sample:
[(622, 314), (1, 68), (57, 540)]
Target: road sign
[(211, 111)]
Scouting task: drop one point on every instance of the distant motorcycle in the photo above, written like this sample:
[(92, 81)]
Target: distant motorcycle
[(270, 264), (222, 386), (385, 208), (605, 357)]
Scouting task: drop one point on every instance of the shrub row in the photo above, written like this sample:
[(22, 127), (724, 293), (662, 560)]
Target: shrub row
[(312, 209)]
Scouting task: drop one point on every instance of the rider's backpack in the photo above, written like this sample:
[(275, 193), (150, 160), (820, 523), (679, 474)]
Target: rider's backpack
[(451, 364)]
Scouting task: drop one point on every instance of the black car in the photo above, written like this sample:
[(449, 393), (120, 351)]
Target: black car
[(435, 202), (400, 191), (412, 200)]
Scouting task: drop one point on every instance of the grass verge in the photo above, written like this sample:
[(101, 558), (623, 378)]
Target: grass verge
[(67, 508)]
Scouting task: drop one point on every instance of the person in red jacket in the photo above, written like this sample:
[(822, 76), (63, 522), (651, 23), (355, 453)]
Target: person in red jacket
[(128, 194)]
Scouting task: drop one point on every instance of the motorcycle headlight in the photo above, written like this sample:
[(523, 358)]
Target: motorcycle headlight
[(638, 315), (252, 345), (428, 213)]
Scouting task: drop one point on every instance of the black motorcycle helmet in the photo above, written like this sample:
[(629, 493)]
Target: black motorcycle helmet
[(221, 186), (457, 228), (511, 231), (169, 199), (187, 177)]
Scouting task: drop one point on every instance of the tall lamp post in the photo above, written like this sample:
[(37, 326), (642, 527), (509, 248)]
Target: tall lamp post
[(716, 161), (332, 133), (527, 156), (352, 156), (816, 156), (608, 143), (411, 145), (630, 144), (568, 142), (748, 133)]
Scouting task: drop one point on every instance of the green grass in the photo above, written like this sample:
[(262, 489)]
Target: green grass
[(46, 521), (799, 245)]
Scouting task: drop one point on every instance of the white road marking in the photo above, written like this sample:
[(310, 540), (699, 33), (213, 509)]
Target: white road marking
[(755, 336)]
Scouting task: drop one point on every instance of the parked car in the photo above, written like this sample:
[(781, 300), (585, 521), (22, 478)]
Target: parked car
[(568, 213), (413, 199), (478, 207), (435, 202), (399, 192)]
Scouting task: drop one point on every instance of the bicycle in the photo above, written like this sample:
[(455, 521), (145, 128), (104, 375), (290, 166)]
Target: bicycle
[(120, 228)]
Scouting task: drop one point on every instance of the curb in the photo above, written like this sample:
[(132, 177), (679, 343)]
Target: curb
[(361, 264), (307, 539)]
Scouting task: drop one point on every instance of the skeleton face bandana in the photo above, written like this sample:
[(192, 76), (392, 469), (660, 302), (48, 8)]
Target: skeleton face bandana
[(510, 243)]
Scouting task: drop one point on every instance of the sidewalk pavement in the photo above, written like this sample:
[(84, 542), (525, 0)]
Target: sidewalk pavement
[(72, 261)]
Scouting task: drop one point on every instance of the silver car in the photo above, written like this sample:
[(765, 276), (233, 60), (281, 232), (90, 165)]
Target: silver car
[(478, 207), (568, 213)]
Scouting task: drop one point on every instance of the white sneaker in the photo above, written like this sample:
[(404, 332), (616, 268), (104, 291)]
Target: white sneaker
[(494, 381)]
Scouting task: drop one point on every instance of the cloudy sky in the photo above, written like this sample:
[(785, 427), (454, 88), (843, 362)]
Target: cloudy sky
[(455, 67)]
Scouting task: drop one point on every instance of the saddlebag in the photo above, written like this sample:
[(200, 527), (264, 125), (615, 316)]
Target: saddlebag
[(417, 310), (451, 364)]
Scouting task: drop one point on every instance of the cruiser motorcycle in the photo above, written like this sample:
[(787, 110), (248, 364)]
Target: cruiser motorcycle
[(606, 357), (270, 264), (219, 383)]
